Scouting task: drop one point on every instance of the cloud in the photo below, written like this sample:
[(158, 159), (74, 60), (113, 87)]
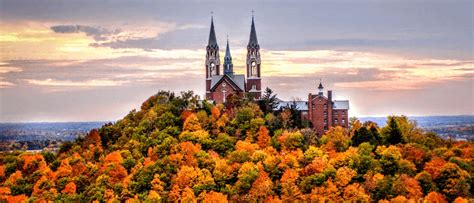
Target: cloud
[(68, 83), (8, 69), (98, 33), (5, 84)]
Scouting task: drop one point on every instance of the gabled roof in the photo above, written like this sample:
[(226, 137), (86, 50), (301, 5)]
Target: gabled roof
[(237, 81), (341, 105)]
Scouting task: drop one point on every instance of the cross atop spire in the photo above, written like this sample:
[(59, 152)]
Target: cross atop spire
[(212, 34), (253, 42)]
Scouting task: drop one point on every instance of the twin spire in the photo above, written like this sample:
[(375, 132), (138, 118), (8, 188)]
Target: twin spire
[(228, 66), (253, 42), (212, 36)]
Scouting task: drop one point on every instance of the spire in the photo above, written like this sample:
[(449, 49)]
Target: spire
[(253, 34), (228, 66), (212, 35)]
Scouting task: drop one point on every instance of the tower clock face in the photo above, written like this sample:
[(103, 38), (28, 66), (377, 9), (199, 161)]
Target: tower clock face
[(253, 64), (212, 65)]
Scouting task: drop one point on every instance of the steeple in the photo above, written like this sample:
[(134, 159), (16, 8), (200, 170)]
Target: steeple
[(253, 42), (228, 66), (212, 35), (320, 88)]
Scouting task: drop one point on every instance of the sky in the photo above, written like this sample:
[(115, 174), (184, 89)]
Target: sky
[(82, 60)]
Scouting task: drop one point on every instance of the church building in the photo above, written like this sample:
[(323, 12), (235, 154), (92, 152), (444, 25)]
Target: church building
[(219, 86), (320, 110)]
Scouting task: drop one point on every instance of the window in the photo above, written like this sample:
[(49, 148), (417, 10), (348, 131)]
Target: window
[(325, 106), (325, 113), (343, 121), (343, 112), (304, 113), (325, 121), (335, 113), (254, 87), (325, 127), (335, 121)]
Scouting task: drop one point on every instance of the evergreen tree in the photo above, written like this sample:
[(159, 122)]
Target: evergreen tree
[(269, 101), (392, 132)]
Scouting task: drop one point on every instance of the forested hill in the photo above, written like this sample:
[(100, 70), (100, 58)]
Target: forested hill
[(176, 148)]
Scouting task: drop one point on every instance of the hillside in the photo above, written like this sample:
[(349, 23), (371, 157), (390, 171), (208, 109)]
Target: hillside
[(176, 148)]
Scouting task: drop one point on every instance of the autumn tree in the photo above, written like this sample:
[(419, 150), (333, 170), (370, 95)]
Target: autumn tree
[(263, 137)]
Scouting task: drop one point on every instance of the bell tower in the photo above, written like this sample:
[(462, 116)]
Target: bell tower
[(253, 85), (212, 62)]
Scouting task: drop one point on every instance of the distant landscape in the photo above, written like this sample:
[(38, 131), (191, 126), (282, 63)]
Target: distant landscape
[(38, 135)]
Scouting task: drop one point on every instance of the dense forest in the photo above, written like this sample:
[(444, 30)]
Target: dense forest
[(177, 148)]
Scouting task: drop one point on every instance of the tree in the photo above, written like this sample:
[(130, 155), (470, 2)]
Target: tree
[(435, 197), (407, 187), (192, 123), (263, 139), (70, 188), (269, 101), (338, 137), (392, 132), (360, 136), (453, 181), (261, 187), (213, 197), (289, 189)]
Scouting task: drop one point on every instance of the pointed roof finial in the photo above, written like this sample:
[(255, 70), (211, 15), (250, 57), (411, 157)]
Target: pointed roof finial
[(212, 34), (320, 87), (253, 34), (227, 50)]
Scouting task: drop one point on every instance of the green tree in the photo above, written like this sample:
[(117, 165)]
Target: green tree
[(269, 101), (392, 132)]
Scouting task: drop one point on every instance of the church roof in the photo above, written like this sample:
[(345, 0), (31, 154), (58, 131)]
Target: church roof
[(253, 36), (212, 35), (238, 80), (341, 105)]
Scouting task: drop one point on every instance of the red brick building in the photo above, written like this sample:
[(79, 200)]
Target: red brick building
[(220, 87), (321, 110), (324, 112)]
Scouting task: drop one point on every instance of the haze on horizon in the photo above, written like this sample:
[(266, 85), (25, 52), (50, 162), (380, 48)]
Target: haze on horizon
[(87, 60)]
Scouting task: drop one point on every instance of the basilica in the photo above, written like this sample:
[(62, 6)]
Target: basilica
[(221, 86), (320, 109)]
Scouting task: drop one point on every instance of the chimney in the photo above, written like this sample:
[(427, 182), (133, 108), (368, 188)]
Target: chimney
[(330, 95)]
